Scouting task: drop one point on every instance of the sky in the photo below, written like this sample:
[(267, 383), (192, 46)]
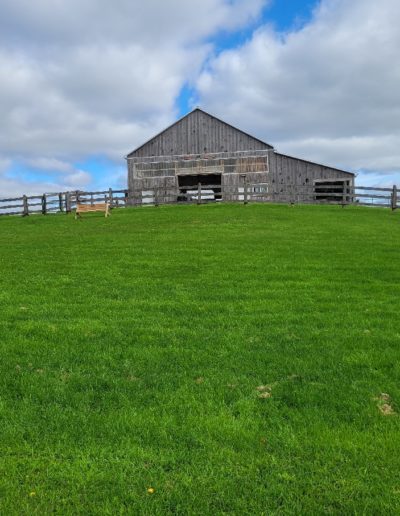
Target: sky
[(83, 82)]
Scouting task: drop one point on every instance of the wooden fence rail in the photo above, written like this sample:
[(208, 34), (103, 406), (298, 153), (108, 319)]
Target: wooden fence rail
[(65, 202)]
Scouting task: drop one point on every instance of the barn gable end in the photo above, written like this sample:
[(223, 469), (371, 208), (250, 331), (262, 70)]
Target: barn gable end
[(199, 133)]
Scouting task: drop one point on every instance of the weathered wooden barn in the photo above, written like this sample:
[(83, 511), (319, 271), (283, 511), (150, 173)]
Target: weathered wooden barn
[(201, 151)]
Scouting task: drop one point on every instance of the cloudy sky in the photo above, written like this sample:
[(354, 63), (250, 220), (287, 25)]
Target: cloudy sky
[(83, 82)]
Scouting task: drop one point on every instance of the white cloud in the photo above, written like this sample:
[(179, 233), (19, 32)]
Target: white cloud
[(153, 23), (52, 165), (93, 76), (12, 186), (65, 177), (328, 92)]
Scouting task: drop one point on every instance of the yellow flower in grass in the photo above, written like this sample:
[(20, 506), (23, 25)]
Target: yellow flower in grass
[(32, 493), (150, 490)]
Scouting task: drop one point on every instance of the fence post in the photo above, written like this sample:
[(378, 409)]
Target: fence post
[(344, 198), (198, 193), (352, 192), (44, 204), (394, 198), (60, 202), (156, 197), (110, 198), (291, 195), (245, 197), (25, 211), (67, 202)]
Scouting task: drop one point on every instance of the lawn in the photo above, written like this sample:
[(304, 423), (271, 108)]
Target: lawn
[(218, 359)]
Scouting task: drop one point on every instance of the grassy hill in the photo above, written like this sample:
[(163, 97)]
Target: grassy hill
[(201, 360)]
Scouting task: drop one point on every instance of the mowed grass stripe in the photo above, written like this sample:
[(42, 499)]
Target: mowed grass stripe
[(132, 348)]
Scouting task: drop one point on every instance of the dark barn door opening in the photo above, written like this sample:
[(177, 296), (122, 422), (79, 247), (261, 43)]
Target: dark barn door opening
[(210, 186), (332, 191)]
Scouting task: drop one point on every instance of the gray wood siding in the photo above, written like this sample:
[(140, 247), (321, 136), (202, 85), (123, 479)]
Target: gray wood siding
[(150, 175), (288, 170), (199, 133)]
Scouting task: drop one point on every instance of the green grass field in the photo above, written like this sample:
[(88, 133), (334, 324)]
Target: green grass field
[(234, 359)]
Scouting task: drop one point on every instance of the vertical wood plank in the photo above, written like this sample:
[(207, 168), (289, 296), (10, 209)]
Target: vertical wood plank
[(156, 197)]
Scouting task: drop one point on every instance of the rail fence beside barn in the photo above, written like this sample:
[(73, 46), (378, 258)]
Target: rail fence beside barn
[(65, 202), (60, 202)]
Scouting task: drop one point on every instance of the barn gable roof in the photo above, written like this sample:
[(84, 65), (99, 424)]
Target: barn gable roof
[(198, 132)]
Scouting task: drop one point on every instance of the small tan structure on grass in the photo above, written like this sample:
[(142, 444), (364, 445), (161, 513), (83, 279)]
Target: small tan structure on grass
[(86, 208)]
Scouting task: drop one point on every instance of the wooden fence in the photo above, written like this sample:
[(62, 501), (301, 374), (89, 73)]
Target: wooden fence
[(267, 192), (60, 202), (65, 202)]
